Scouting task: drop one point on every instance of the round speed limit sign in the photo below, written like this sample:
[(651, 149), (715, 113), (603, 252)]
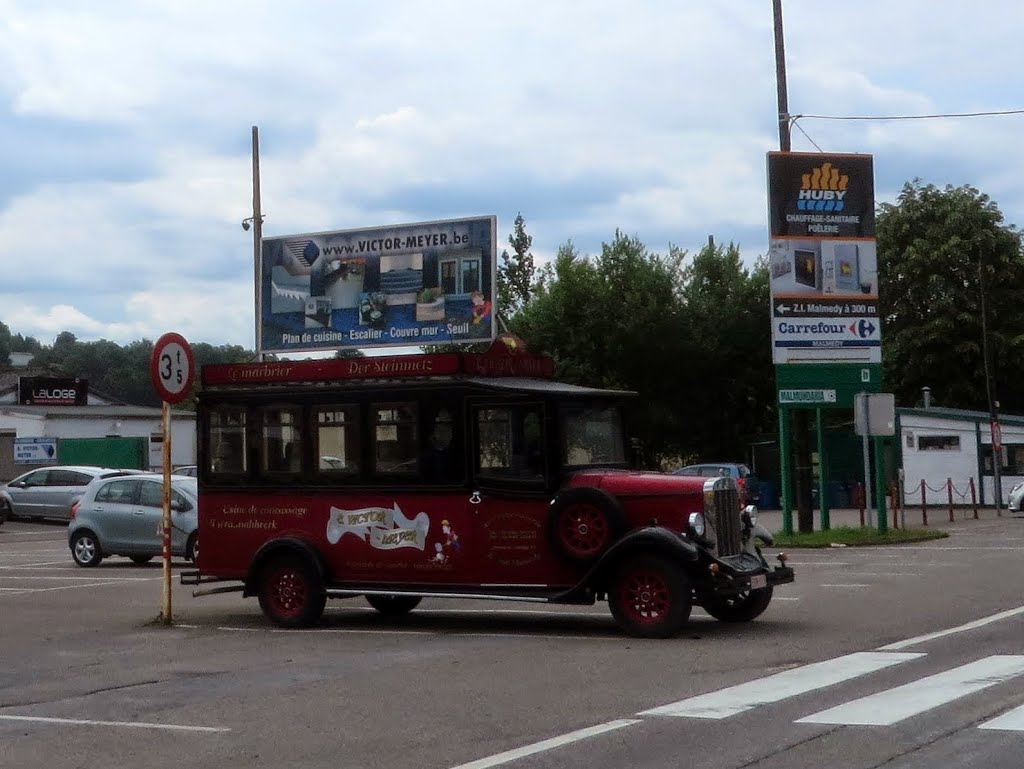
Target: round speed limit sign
[(172, 368)]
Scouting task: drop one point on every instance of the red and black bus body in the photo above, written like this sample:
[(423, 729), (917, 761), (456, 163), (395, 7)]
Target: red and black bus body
[(454, 474)]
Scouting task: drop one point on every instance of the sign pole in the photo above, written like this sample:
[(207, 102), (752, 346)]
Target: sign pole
[(883, 515), (165, 612), (172, 369), (865, 433), (785, 470)]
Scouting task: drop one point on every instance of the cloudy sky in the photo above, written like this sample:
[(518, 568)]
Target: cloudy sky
[(126, 130)]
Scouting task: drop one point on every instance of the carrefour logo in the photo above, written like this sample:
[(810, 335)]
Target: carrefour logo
[(823, 189)]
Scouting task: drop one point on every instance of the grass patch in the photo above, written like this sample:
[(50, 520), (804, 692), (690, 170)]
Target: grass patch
[(849, 536)]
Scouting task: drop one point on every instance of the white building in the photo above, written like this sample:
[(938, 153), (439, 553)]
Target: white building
[(940, 444), (102, 417)]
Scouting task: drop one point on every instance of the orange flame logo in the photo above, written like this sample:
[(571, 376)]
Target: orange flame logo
[(825, 177)]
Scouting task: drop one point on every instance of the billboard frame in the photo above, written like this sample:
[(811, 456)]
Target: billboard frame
[(400, 285)]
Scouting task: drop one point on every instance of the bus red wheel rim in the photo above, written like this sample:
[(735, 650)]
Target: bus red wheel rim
[(646, 597), (584, 530), (288, 592)]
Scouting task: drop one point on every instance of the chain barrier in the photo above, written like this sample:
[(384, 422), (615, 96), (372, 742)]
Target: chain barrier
[(924, 487)]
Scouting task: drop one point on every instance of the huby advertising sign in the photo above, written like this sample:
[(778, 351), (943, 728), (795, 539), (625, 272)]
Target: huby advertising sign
[(823, 258)]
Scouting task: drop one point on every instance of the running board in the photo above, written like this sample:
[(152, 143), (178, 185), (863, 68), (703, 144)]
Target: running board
[(215, 590), (341, 593)]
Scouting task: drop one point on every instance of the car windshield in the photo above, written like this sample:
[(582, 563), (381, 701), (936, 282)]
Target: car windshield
[(592, 435)]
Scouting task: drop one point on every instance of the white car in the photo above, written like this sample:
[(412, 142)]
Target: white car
[(1016, 498), (49, 492)]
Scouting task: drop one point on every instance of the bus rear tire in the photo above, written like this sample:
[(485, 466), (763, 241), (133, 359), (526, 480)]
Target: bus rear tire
[(291, 591)]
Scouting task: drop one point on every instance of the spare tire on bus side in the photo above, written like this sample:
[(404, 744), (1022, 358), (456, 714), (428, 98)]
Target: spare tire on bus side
[(584, 522)]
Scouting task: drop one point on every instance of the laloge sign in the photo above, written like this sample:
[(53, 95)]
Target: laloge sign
[(51, 391)]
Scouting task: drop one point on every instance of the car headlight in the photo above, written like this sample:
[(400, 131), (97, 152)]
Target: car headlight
[(696, 522)]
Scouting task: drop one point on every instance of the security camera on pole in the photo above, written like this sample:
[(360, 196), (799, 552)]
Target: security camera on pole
[(172, 369)]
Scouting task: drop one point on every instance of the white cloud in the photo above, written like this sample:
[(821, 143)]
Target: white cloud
[(653, 118)]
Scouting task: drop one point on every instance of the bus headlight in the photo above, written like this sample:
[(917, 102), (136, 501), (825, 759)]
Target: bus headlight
[(696, 522)]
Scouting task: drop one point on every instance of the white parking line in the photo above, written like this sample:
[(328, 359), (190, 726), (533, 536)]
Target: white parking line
[(894, 705), (950, 631), (64, 562), (4, 577), (543, 745), (26, 590), (850, 585), (132, 724), (779, 686), (1012, 721)]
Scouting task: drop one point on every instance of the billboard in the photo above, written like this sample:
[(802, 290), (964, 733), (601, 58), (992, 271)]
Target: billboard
[(52, 391), (395, 286), (823, 259)]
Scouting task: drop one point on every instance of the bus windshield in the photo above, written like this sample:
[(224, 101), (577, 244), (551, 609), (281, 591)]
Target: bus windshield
[(592, 435)]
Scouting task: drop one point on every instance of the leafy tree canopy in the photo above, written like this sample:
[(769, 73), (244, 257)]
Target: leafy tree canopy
[(940, 252)]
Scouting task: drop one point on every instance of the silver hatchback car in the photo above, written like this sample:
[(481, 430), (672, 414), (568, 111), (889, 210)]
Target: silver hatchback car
[(124, 516), (49, 492)]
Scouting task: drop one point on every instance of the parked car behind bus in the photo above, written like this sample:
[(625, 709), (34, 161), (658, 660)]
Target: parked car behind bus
[(124, 516), (49, 492), (746, 480)]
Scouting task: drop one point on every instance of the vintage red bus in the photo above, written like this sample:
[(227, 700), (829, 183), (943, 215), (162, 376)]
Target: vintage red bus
[(456, 475)]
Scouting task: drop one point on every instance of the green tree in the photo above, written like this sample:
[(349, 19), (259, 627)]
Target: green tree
[(5, 344), (615, 321), (727, 310), (939, 250), (516, 273)]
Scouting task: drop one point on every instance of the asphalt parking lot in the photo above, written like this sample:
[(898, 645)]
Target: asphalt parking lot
[(89, 678)]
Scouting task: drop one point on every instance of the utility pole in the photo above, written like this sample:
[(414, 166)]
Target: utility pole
[(780, 78), (257, 242), (993, 404), (800, 422)]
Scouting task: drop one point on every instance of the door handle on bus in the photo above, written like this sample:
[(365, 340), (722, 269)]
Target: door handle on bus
[(474, 498)]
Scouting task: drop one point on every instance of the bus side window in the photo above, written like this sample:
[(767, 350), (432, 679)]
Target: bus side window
[(281, 440), (227, 441), (510, 442), (441, 458), (337, 440), (395, 443)]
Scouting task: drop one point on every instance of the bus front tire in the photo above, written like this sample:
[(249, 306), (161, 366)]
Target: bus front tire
[(291, 592), (650, 597)]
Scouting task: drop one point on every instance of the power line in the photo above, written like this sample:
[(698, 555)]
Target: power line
[(910, 117), (801, 130)]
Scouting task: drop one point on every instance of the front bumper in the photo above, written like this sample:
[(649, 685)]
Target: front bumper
[(740, 573)]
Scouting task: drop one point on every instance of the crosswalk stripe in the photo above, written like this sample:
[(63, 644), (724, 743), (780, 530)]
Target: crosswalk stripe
[(1012, 721), (777, 687), (892, 705)]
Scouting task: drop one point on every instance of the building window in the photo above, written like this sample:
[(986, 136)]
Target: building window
[(938, 443)]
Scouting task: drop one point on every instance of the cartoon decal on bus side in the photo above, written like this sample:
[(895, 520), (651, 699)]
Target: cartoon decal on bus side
[(388, 528)]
